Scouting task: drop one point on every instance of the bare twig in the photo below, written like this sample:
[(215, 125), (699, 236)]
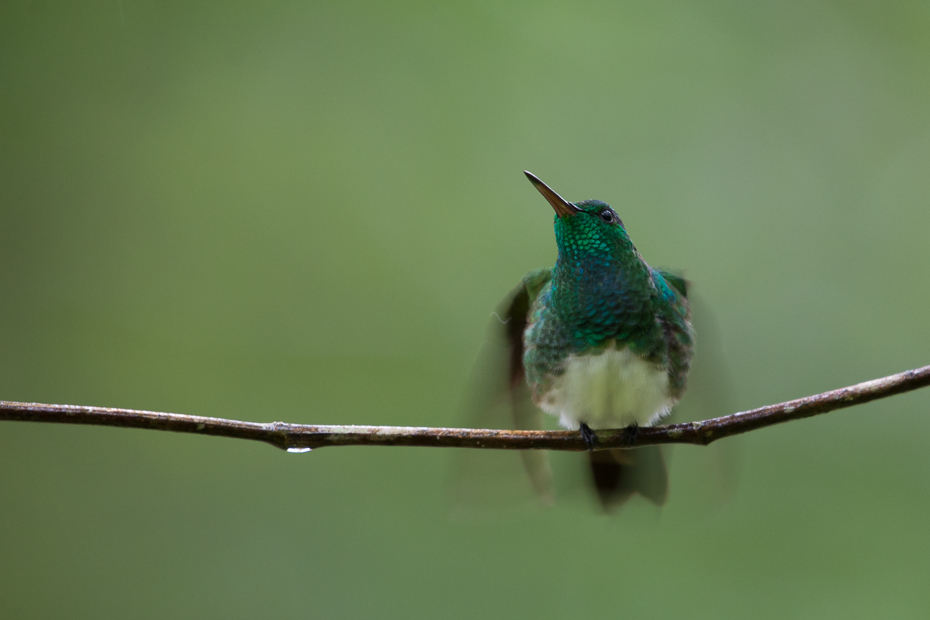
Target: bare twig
[(301, 437)]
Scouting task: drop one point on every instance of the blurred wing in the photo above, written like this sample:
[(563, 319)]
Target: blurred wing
[(498, 397), (526, 415), (710, 391)]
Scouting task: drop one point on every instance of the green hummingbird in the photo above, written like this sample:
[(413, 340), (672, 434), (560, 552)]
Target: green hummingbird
[(601, 340)]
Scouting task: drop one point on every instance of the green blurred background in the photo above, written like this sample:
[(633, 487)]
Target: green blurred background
[(305, 212)]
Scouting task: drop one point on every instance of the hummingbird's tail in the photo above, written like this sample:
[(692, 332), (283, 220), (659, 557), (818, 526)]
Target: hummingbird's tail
[(618, 474)]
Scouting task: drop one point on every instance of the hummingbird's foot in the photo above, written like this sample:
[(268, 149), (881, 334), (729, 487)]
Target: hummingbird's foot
[(589, 436), (630, 433)]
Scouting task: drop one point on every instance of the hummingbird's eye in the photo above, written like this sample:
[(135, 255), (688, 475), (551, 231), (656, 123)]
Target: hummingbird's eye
[(608, 216)]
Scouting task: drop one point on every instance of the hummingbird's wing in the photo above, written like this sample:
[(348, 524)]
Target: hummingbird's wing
[(498, 397), (710, 390), (526, 416)]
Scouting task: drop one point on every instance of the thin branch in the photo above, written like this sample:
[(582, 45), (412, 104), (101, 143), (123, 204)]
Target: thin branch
[(301, 437)]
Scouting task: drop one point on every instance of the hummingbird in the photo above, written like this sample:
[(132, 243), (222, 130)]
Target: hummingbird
[(601, 340)]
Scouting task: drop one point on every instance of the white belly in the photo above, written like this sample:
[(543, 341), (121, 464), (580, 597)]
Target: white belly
[(612, 389)]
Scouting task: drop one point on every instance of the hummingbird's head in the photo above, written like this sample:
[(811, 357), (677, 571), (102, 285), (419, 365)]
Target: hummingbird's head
[(585, 228)]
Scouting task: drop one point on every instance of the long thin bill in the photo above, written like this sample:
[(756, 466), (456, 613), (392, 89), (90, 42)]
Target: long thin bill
[(561, 206)]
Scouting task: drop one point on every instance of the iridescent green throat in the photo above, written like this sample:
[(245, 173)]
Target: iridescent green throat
[(601, 288)]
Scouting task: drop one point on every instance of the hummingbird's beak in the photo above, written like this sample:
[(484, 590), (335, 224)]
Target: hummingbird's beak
[(561, 206)]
